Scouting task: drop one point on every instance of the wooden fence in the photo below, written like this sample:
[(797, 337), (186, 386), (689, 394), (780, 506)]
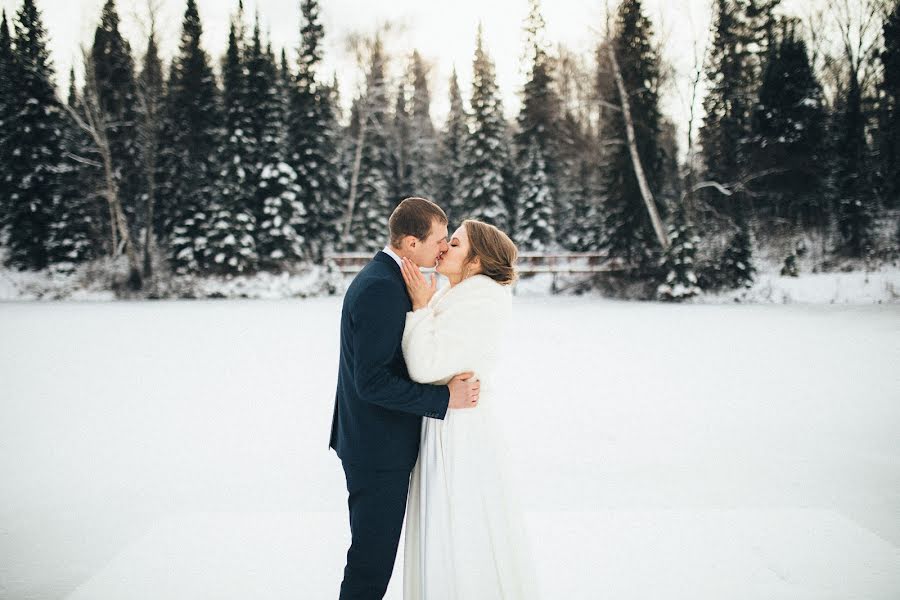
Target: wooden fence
[(589, 264)]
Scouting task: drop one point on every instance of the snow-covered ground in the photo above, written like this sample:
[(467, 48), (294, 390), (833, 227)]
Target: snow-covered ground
[(178, 449)]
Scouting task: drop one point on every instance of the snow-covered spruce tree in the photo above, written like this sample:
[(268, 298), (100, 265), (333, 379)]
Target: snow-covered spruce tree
[(788, 133), (540, 112), (423, 145), (313, 139), (681, 281), (855, 198), (728, 102), (579, 156), (534, 221), (627, 229), (257, 98), (725, 133), (481, 188), (283, 220), (758, 33), (451, 153), (889, 135), (229, 229), (76, 224), (373, 201), (7, 119), (117, 95), (398, 142), (35, 151), (191, 134), (151, 96), (577, 212), (537, 142), (736, 268), (284, 216)]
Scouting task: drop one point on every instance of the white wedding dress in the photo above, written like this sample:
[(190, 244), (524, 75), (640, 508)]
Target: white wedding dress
[(465, 536)]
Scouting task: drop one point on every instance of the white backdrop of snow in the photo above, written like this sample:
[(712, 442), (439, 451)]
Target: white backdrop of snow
[(178, 449)]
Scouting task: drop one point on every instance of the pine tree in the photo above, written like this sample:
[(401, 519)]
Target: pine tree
[(423, 145), (539, 117), (788, 133), (284, 216), (535, 231), (76, 220), (257, 99), (314, 141), (681, 281), (151, 93), (399, 137), (117, 95), (7, 119), (627, 229), (537, 142), (736, 268), (283, 220), (726, 129), (230, 247), (35, 152), (486, 154), (577, 212), (373, 201), (451, 152), (853, 187), (889, 139), (727, 104), (758, 34), (191, 134)]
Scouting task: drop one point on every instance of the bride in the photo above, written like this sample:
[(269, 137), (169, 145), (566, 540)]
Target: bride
[(465, 538)]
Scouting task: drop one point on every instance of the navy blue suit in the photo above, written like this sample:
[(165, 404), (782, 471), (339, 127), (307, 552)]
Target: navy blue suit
[(377, 420)]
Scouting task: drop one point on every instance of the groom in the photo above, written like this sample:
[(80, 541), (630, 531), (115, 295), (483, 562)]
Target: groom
[(378, 410)]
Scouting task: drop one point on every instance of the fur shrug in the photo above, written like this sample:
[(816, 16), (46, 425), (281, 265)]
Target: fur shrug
[(460, 330)]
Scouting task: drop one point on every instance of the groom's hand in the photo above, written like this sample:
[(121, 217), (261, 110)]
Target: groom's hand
[(464, 394)]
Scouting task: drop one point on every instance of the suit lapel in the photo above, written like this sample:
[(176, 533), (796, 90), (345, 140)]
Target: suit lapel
[(395, 268)]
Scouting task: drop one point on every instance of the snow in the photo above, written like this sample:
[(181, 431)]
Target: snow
[(855, 287), (177, 449)]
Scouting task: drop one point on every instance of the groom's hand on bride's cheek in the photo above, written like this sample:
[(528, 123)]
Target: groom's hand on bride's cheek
[(464, 394)]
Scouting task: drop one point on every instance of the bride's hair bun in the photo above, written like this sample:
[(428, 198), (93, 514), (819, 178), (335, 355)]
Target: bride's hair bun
[(498, 254)]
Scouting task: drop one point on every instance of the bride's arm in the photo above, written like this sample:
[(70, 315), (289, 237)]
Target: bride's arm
[(440, 345)]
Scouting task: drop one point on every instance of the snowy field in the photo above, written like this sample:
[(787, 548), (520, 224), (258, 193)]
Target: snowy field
[(177, 450)]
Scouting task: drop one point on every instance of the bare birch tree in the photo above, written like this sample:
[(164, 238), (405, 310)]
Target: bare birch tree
[(646, 194), (91, 118)]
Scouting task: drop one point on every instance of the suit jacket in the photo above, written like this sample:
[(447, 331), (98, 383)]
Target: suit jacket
[(378, 410)]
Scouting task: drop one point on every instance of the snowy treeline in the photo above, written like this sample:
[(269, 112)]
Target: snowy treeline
[(182, 170)]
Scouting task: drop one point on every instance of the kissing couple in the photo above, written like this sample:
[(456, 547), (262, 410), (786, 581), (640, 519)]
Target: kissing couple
[(413, 423)]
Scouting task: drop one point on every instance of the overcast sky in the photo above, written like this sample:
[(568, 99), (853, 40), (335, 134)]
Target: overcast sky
[(443, 32)]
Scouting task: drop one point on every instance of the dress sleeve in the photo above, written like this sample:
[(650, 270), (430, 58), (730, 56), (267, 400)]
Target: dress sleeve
[(438, 345)]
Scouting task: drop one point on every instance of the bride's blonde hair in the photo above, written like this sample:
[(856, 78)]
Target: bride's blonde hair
[(497, 253)]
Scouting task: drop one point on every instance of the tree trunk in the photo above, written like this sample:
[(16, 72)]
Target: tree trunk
[(148, 231), (635, 157), (112, 229), (112, 196)]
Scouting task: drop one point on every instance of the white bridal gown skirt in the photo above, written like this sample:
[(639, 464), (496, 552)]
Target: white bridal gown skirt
[(465, 535)]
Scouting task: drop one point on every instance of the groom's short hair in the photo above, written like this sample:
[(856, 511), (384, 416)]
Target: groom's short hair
[(414, 216)]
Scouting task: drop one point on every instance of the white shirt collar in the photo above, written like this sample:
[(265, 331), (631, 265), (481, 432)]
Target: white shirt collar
[(387, 250)]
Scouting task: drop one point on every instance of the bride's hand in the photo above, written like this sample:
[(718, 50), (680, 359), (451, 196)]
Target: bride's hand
[(420, 290)]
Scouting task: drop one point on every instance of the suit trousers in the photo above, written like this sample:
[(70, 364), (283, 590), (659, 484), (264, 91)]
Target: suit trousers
[(377, 503)]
